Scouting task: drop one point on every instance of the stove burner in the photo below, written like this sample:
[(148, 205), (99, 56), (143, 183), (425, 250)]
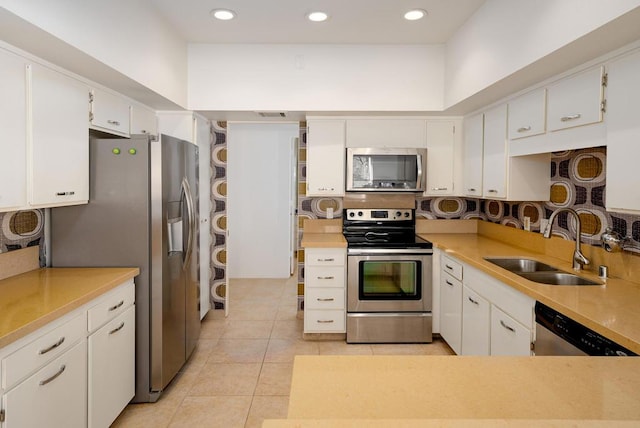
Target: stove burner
[(381, 228)]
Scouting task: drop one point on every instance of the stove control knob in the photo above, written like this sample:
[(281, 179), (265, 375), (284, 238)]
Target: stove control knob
[(360, 214), (398, 214), (406, 214), (352, 214)]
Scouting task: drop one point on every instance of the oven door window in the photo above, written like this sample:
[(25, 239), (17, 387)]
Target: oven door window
[(390, 280)]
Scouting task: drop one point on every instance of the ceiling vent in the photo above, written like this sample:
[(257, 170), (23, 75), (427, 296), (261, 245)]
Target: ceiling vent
[(272, 113)]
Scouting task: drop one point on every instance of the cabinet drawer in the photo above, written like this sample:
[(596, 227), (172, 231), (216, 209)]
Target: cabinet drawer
[(508, 336), (111, 369), (452, 267), (332, 276), (42, 350), (319, 321), (111, 305), (325, 257), (55, 396), (324, 298)]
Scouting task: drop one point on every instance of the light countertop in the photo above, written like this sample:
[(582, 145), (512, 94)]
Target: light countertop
[(31, 300), (323, 240), (445, 387), (610, 309)]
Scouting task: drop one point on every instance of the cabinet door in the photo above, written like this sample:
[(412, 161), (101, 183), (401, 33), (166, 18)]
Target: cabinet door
[(325, 157), (472, 155), (110, 113), (13, 141), (59, 167), (576, 100), (451, 311), (111, 369), (55, 396), (440, 158), (399, 133), (623, 134), (476, 321), (494, 166), (527, 114), (508, 336), (143, 121)]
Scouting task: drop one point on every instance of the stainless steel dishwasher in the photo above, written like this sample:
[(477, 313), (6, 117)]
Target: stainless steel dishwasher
[(557, 334)]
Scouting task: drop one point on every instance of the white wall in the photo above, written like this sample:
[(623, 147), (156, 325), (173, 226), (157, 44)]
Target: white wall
[(316, 77), (127, 35), (504, 36)]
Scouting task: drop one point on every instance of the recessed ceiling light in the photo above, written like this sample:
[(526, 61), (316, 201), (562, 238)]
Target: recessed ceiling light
[(415, 14), (317, 16), (223, 14)]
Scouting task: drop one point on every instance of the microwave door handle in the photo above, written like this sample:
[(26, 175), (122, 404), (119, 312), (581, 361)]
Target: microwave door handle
[(370, 161), (419, 180)]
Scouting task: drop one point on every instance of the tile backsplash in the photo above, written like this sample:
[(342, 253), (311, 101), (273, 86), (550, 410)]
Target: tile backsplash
[(22, 229)]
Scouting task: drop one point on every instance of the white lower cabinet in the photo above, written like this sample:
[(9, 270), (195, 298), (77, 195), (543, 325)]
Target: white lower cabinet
[(54, 396), (480, 315), (111, 369), (476, 318), (508, 336), (77, 371), (325, 290), (451, 311)]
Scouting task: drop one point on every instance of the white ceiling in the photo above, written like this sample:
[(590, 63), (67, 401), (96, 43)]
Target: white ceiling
[(350, 22)]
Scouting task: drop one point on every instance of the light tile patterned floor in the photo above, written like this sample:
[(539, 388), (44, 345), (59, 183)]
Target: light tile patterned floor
[(240, 372)]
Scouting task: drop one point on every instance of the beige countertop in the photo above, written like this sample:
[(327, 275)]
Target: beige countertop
[(31, 300), (610, 309), (445, 387), (323, 240)]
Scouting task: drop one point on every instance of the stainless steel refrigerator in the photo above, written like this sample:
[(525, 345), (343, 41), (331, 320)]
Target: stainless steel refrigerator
[(142, 212)]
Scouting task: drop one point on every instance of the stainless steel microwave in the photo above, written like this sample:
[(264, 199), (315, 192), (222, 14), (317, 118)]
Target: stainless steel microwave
[(385, 170)]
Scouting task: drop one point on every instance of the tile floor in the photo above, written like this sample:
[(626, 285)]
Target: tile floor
[(240, 372)]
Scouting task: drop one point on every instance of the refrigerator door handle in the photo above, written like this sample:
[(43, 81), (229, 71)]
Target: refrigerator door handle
[(188, 250)]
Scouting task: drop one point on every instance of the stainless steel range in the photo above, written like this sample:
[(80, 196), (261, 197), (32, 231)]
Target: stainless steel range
[(389, 289)]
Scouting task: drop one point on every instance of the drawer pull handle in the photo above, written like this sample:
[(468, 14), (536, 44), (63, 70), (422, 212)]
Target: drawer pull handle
[(570, 117), (117, 329), (492, 191), (52, 378), (475, 302), (114, 307), (439, 188), (472, 190), (330, 299), (65, 193), (448, 267), (447, 281), (326, 277), (113, 122), (52, 347), (511, 329), (326, 260), (325, 321), (524, 129)]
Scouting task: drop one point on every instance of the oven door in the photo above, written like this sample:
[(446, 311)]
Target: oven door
[(389, 282)]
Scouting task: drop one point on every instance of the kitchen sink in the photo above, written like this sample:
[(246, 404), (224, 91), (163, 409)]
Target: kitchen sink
[(557, 278), (518, 265), (542, 273)]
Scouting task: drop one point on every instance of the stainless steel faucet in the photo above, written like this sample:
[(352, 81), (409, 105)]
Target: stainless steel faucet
[(579, 260)]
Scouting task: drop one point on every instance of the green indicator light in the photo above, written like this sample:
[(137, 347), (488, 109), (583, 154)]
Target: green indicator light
[(116, 151), (132, 151)]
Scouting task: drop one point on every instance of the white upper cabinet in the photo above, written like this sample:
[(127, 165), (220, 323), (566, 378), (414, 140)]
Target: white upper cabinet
[(527, 114), (59, 167), (13, 141), (472, 149), (143, 120), (178, 124), (494, 166), (325, 157), (398, 133), (109, 112), (623, 134), (444, 150), (576, 100)]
